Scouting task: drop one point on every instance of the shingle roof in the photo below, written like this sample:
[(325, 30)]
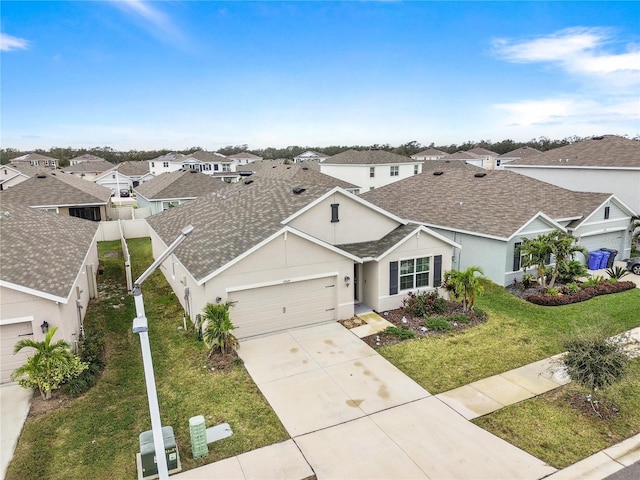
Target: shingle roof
[(244, 155), (97, 166), (168, 157), (259, 165), (430, 152), (446, 164), (32, 156), (605, 151), (56, 189), (522, 152), (41, 250), (482, 152), (498, 203), (87, 157), (229, 223), (376, 248), (367, 157), (133, 169), (180, 184), (206, 157), (302, 173), (462, 155)]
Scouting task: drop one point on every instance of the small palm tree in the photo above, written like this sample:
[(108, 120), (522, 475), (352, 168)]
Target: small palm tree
[(465, 284), (218, 327), (536, 251), (563, 248), (51, 365)]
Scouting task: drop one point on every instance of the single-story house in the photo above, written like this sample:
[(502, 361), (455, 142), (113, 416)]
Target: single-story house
[(517, 154), (10, 176), (49, 266), (369, 169), (169, 190), (310, 156), (608, 163), (489, 212), (290, 255), (430, 154), (303, 173), (62, 193), (88, 166)]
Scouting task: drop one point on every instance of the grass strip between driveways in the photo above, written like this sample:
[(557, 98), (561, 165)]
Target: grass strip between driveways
[(96, 435), (516, 333)]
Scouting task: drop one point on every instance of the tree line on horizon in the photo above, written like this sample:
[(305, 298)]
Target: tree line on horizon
[(270, 153)]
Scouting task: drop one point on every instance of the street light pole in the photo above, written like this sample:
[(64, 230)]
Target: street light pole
[(141, 327)]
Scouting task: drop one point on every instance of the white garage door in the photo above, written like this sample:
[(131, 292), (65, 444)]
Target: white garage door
[(9, 335), (280, 307), (612, 241)]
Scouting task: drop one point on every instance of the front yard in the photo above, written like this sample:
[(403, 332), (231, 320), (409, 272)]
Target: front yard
[(96, 434)]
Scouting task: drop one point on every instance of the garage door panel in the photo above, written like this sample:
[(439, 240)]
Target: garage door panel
[(9, 335), (611, 240), (280, 307)]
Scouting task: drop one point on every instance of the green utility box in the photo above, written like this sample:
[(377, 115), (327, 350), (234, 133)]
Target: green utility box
[(198, 430), (148, 451)]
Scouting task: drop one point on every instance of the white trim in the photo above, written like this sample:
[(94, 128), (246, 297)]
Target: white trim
[(604, 230), (272, 283), (31, 291), (466, 232), (611, 199), (419, 228), (573, 167), (545, 218), (348, 195), (12, 321), (268, 240)]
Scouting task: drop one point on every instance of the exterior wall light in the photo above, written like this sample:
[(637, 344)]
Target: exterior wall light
[(45, 326)]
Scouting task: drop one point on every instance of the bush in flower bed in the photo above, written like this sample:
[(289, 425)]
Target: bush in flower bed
[(581, 295)]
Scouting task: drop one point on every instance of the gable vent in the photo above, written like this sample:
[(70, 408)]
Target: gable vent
[(480, 175), (298, 190), (247, 182), (41, 175), (438, 173)]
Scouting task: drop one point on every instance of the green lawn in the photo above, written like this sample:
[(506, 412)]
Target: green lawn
[(516, 333), (96, 436)]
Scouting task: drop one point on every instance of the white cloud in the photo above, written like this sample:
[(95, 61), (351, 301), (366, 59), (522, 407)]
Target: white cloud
[(155, 21), (8, 43)]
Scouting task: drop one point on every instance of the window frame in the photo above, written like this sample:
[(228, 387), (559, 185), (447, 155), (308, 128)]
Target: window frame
[(372, 172), (394, 170), (419, 278)]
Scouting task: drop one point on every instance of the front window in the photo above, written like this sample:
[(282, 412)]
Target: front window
[(394, 170), (168, 205), (165, 164), (226, 167), (414, 273), (372, 172), (416, 169)]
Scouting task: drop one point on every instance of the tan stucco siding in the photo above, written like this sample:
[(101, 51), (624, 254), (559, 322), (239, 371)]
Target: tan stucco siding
[(352, 216)]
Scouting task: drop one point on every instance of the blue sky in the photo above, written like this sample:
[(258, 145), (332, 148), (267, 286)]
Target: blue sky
[(176, 74)]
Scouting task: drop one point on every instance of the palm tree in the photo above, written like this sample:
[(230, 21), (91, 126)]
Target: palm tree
[(218, 327), (48, 367), (465, 284), (563, 248)]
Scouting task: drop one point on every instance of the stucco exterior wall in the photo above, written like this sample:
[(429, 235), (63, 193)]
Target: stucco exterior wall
[(359, 174)]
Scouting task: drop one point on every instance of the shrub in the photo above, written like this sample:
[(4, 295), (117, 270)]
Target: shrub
[(90, 351), (553, 291), (423, 304), (617, 273), (478, 313), (438, 324), (571, 270), (571, 288), (584, 294), (593, 281), (400, 332), (459, 318)]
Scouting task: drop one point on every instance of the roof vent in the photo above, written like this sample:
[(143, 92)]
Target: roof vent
[(274, 166), (438, 173), (298, 190), (480, 175), (305, 168), (600, 137), (41, 175), (193, 171), (247, 182)]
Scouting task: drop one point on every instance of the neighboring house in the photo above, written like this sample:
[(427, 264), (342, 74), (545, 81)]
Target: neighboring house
[(35, 160), (61, 193), (369, 169), (430, 154), (49, 266), (115, 181), (489, 213), (87, 166), (169, 162), (125, 175), (172, 189), (10, 176), (303, 173), (289, 255), (244, 158), (600, 164), (483, 158), (517, 154), (310, 156), (209, 163), (462, 155)]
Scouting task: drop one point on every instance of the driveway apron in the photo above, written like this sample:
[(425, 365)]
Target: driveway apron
[(355, 415)]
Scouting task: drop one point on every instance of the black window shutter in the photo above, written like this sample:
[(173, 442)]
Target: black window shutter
[(437, 270), (516, 256), (334, 212), (393, 278)]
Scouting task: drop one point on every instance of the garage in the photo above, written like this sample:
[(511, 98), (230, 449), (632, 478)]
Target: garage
[(291, 304), (9, 335), (611, 240)]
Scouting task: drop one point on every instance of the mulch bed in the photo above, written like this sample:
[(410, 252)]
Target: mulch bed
[(400, 318), (538, 296)]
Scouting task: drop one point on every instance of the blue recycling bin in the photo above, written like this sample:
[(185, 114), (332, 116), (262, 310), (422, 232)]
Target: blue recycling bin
[(604, 259), (594, 260)]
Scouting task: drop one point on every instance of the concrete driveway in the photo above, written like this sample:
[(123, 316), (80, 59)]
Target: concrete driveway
[(354, 415), (15, 402)]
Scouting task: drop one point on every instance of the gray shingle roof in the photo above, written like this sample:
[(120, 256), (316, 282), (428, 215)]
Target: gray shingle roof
[(180, 184), (367, 157), (133, 169), (376, 248), (497, 204), (430, 152), (206, 157), (56, 189), (41, 250), (462, 155), (32, 156), (606, 151), (245, 155), (97, 166), (522, 152), (302, 173), (87, 157), (231, 222), (482, 152)]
